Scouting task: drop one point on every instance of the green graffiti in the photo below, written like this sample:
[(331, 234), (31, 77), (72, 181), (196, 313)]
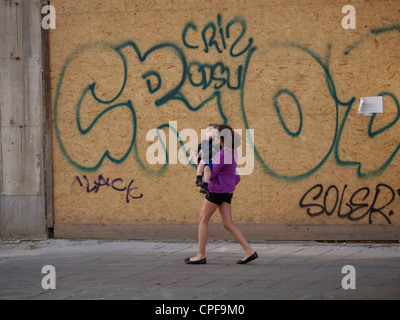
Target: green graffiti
[(371, 134), (394, 27), (90, 91), (332, 91), (208, 78), (372, 32), (148, 82), (218, 36), (324, 64), (91, 88), (215, 37), (278, 111)]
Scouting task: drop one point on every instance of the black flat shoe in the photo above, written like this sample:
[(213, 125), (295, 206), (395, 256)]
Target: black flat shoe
[(201, 261), (251, 258)]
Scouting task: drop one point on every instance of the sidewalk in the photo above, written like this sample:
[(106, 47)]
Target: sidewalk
[(93, 269)]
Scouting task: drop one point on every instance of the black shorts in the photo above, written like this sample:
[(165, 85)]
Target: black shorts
[(219, 198)]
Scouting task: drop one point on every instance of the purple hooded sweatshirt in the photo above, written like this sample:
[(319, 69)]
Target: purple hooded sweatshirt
[(224, 176)]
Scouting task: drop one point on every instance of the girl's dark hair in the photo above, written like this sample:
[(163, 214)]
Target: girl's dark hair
[(231, 139)]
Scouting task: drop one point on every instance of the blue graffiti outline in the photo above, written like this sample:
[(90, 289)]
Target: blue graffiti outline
[(173, 94), (176, 94)]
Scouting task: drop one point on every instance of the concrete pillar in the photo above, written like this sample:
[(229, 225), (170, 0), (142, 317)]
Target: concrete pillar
[(22, 200)]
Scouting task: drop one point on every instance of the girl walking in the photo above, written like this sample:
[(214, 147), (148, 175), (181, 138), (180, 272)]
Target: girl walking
[(224, 179)]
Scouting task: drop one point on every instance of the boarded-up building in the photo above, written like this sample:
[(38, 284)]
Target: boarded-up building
[(132, 81)]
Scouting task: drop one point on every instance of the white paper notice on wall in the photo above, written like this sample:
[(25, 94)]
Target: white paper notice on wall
[(370, 105)]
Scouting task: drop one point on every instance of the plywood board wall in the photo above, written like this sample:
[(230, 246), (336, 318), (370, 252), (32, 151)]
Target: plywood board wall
[(286, 69)]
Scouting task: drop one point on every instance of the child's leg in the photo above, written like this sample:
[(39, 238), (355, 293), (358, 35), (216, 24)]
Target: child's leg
[(207, 174), (200, 169), (207, 177)]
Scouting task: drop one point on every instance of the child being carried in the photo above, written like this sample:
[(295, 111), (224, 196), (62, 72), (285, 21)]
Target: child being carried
[(204, 154)]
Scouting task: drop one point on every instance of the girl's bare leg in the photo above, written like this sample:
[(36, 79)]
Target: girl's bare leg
[(226, 215), (205, 215)]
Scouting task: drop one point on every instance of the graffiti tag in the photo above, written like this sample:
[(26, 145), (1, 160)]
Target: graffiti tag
[(220, 37), (116, 184), (363, 203)]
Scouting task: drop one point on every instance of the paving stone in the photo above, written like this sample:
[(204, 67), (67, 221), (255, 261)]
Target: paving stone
[(155, 270)]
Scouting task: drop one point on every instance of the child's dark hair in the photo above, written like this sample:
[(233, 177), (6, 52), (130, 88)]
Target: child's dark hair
[(230, 138)]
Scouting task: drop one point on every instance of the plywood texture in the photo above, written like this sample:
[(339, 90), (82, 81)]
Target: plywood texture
[(286, 69)]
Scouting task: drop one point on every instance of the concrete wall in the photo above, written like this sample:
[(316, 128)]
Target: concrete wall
[(122, 68), (22, 203)]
